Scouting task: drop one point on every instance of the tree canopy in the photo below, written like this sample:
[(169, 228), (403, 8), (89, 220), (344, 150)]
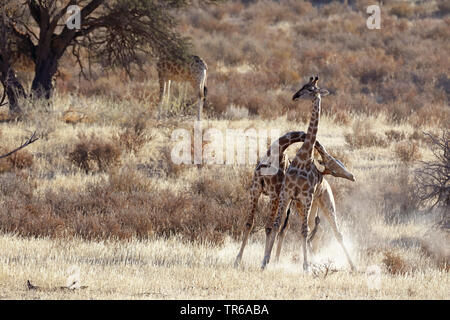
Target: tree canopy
[(114, 32)]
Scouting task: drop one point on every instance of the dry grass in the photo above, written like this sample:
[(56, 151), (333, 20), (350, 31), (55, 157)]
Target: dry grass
[(99, 189), (144, 215), (173, 269), (408, 152)]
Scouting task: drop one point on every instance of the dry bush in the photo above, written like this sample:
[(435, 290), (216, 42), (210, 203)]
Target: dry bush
[(126, 179), (394, 264), (402, 9), (342, 118), (73, 116), (17, 161), (341, 154), (133, 137), (16, 185), (419, 137), (94, 153), (395, 135), (431, 115), (167, 166), (408, 152), (124, 206), (236, 113), (364, 137), (444, 7)]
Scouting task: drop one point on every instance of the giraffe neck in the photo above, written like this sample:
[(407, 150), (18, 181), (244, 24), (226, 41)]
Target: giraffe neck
[(285, 141), (321, 150), (290, 138), (305, 153)]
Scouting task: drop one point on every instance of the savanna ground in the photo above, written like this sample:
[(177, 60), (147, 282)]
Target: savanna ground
[(99, 191)]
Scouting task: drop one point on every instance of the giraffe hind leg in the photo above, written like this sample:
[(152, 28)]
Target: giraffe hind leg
[(271, 233), (314, 225), (255, 194), (329, 209), (282, 235), (202, 90)]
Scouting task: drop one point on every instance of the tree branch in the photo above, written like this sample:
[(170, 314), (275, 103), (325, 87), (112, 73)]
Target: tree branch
[(23, 145)]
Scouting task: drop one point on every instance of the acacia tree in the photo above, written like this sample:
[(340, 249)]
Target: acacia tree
[(115, 32)]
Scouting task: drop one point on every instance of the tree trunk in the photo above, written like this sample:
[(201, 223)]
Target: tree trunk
[(14, 91), (13, 87), (42, 83)]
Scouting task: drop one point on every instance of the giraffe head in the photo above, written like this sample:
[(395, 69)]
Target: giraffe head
[(310, 90), (334, 167)]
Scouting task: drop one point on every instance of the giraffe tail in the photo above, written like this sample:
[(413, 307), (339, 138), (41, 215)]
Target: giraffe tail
[(286, 220), (314, 231), (205, 92)]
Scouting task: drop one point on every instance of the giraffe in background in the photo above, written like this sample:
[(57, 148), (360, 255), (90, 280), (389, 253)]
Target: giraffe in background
[(193, 71), (303, 182)]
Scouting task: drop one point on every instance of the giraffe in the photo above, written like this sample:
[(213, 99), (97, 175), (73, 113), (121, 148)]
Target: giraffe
[(325, 200), (270, 185), (303, 182), (192, 70)]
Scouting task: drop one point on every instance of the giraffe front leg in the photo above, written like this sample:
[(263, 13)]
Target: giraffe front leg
[(200, 103), (162, 91), (255, 193), (200, 85), (304, 209), (271, 232), (168, 91)]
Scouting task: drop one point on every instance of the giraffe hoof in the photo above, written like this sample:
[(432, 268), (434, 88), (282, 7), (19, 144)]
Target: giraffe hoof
[(306, 268), (264, 265)]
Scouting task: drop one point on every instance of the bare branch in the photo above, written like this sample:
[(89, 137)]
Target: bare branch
[(32, 139), (432, 179)]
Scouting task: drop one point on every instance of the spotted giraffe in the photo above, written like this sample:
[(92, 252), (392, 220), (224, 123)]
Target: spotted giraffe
[(303, 182), (270, 185), (192, 70)]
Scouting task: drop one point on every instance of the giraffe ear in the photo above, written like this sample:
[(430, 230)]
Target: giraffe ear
[(315, 81), (324, 92)]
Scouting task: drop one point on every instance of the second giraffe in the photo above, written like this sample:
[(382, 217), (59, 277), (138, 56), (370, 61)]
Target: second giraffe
[(192, 70)]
